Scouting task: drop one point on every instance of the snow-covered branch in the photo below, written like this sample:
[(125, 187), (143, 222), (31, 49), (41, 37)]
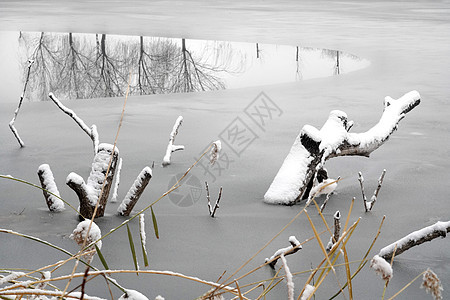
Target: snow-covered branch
[(427, 234), (337, 231), (313, 147), (98, 184), (171, 147), (16, 112), (212, 210), (90, 131), (135, 192), (293, 248), (50, 189)]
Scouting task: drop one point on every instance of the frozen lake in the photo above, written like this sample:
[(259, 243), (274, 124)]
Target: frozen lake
[(407, 45)]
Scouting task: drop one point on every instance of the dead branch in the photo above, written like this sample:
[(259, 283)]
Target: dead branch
[(337, 231), (16, 112), (171, 147), (313, 147), (135, 192), (427, 234), (90, 131), (212, 210), (368, 205), (293, 248)]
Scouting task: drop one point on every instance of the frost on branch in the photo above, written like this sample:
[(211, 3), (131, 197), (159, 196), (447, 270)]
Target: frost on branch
[(90, 131), (82, 232), (309, 289), (135, 192), (293, 248), (313, 147), (439, 229), (382, 267), (50, 189), (98, 184), (171, 147), (212, 210)]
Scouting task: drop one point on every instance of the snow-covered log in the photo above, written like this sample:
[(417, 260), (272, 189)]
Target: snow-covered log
[(293, 248), (48, 185), (135, 192), (171, 147), (91, 192), (427, 234), (16, 112), (90, 131), (313, 147)]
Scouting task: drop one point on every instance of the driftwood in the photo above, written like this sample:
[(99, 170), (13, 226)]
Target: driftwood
[(50, 189), (16, 112), (313, 147), (98, 184), (171, 147), (427, 234), (212, 210), (90, 131), (135, 192)]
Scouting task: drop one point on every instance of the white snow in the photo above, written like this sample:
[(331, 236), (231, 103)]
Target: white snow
[(133, 190), (133, 295), (309, 289), (415, 236), (80, 233), (11, 276), (117, 183), (159, 297), (142, 232), (289, 281), (50, 185), (382, 267), (285, 187)]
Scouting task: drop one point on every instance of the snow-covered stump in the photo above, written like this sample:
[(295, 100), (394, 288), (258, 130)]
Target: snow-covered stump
[(313, 147), (90, 131), (98, 184), (293, 248), (427, 234), (135, 192), (50, 189), (171, 147), (16, 112)]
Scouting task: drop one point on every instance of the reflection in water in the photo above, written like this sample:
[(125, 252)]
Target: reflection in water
[(80, 66)]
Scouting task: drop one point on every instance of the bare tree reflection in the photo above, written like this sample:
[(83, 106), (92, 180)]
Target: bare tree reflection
[(79, 66), (44, 52)]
